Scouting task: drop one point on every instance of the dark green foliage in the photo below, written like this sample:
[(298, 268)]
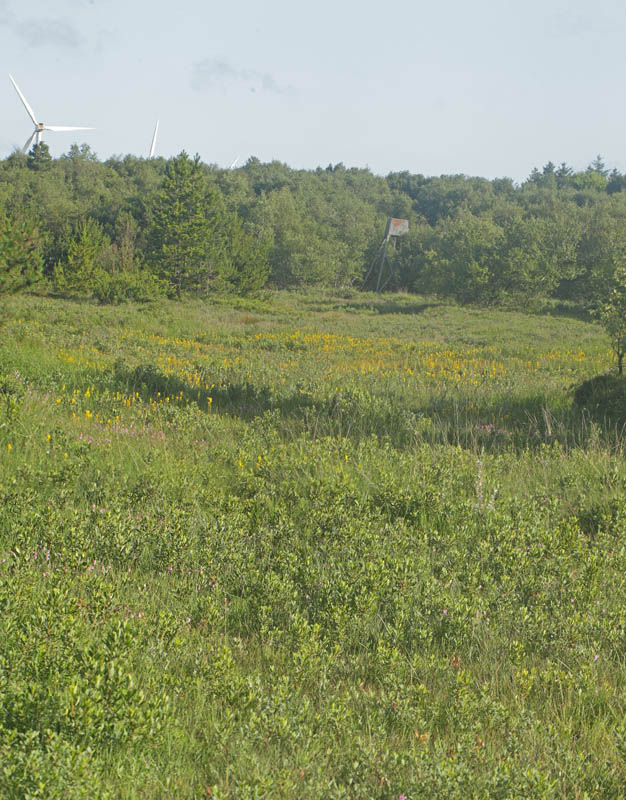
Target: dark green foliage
[(604, 397), (110, 272), (180, 226), (246, 267), (39, 158), (85, 260), (185, 240), (20, 253)]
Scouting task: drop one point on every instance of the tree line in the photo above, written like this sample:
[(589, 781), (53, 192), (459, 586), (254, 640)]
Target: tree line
[(138, 228)]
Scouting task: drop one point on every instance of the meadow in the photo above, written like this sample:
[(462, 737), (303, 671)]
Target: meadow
[(308, 546)]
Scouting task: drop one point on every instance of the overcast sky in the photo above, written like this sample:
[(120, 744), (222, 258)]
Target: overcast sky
[(490, 87)]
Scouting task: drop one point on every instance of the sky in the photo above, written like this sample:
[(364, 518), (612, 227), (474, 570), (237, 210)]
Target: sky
[(489, 87)]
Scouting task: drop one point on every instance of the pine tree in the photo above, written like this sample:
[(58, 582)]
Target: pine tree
[(87, 254), (185, 246), (39, 158), (20, 254)]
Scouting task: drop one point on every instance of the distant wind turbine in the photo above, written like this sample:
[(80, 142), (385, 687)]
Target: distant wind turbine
[(39, 126), (232, 166), (154, 138)]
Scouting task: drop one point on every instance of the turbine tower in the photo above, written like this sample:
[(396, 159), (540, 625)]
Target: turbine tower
[(154, 138), (39, 126)]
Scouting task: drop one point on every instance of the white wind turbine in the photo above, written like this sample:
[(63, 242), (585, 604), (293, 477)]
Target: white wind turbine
[(154, 138), (39, 126)]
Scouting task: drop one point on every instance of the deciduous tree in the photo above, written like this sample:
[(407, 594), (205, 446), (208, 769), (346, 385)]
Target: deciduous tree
[(613, 317)]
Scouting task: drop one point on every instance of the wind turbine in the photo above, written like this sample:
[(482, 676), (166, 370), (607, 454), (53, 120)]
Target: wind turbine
[(39, 126), (232, 166), (154, 138)]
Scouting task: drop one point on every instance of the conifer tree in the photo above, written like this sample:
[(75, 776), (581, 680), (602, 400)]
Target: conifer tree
[(20, 254), (87, 254), (39, 158), (184, 242)]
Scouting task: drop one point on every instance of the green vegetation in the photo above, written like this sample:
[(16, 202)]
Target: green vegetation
[(20, 258), (135, 228), (613, 316), (306, 546)]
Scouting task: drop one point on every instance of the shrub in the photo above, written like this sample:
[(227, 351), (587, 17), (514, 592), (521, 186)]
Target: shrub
[(603, 396)]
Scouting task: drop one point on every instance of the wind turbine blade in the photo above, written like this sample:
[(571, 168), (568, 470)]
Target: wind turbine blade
[(232, 166), (61, 128), (26, 147), (154, 138), (31, 113)]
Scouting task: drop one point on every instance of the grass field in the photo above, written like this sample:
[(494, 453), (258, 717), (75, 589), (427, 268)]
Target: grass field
[(308, 547)]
